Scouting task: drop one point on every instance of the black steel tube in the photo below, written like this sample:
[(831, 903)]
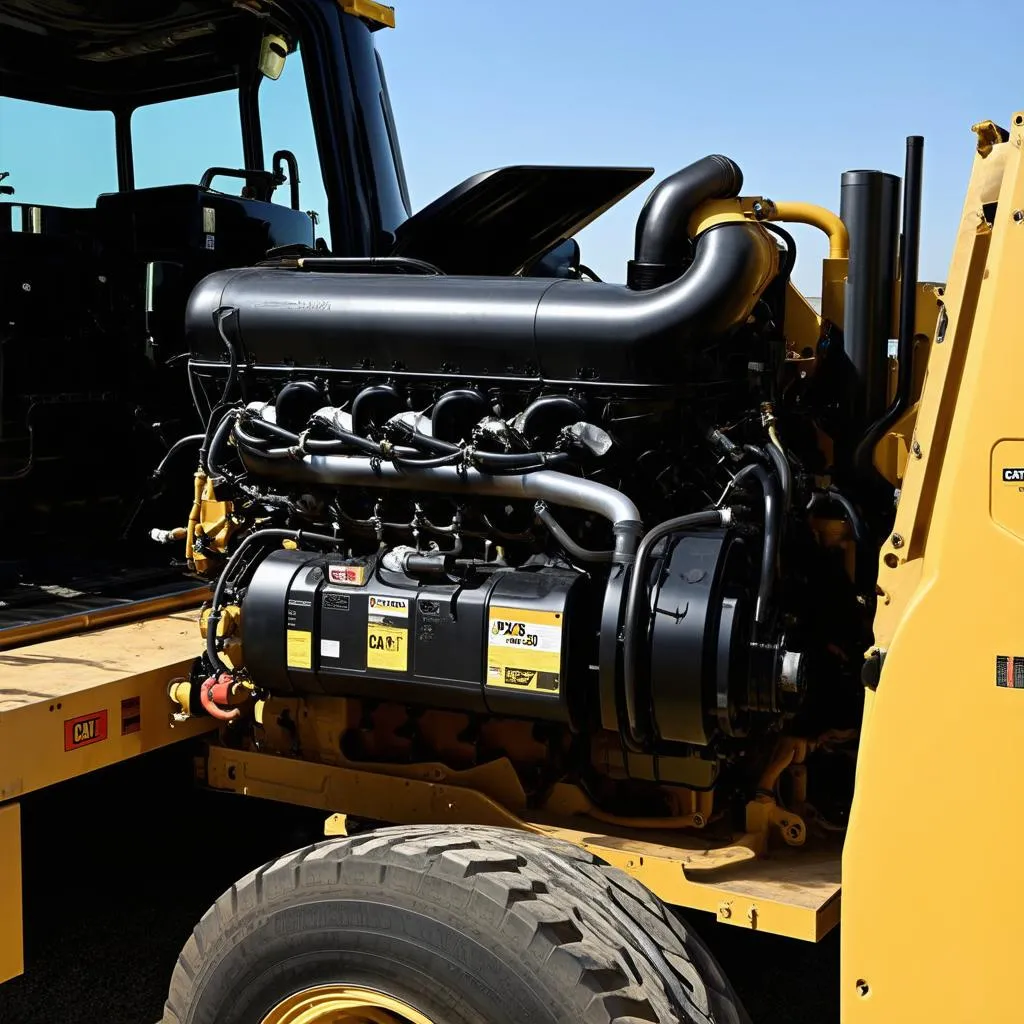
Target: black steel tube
[(868, 207), (637, 735), (286, 158), (539, 485), (909, 253), (909, 266), (662, 240)]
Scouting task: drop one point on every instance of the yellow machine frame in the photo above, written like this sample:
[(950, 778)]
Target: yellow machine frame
[(931, 919)]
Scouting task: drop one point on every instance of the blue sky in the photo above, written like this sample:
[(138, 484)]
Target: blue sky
[(796, 93)]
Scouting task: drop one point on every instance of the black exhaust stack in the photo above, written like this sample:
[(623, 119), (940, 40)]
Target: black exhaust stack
[(909, 253), (869, 207)]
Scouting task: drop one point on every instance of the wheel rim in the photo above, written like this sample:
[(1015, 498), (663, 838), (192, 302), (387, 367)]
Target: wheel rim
[(343, 1004)]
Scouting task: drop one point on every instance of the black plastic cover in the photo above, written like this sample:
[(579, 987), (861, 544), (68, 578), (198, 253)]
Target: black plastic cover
[(699, 634), (497, 222)]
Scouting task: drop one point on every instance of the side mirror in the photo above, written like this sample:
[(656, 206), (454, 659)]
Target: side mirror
[(273, 51)]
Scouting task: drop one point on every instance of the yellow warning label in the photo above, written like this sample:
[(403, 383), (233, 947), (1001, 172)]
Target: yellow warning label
[(387, 647), (524, 649), (299, 648)]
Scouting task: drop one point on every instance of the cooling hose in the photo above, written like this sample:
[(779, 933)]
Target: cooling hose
[(581, 554), (772, 535)]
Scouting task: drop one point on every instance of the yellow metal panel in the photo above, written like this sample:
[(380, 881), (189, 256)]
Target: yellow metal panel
[(12, 961), (793, 893), (933, 886), (379, 14), (70, 706), (1007, 482)]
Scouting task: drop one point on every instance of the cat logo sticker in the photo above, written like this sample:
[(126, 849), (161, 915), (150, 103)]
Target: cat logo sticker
[(85, 730)]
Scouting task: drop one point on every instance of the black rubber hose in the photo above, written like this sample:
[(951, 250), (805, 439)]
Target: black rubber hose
[(661, 229), (428, 463), (784, 472), (781, 232), (772, 536), (525, 462), (344, 440), (638, 736), (220, 316), (271, 429), (213, 620), (863, 570), (402, 433), (182, 442), (217, 446), (581, 554)]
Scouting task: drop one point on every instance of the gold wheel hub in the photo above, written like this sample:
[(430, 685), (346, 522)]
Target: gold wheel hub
[(343, 1004)]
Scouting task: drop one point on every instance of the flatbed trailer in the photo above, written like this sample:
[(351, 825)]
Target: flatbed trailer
[(72, 705)]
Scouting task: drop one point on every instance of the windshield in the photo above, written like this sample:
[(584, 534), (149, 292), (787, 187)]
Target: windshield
[(56, 156), (173, 143)]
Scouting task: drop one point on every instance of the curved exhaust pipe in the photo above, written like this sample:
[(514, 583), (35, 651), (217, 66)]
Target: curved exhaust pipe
[(663, 247)]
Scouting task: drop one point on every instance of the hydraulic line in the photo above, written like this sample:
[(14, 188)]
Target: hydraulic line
[(772, 535), (213, 620), (581, 554)]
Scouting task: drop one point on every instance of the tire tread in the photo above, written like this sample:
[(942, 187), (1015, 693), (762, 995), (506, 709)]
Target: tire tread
[(586, 926)]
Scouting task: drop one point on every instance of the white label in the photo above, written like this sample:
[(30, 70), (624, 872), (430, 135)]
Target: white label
[(525, 636), (330, 648), (211, 242), (391, 607), (347, 575)]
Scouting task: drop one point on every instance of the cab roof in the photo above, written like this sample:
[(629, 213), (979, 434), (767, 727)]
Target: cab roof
[(109, 54)]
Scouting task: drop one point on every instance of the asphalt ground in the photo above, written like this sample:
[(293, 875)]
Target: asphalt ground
[(120, 864)]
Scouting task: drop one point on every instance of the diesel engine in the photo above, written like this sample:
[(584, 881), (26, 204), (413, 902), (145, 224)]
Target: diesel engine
[(500, 508)]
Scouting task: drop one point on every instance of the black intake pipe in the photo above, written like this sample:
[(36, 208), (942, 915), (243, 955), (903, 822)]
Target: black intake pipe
[(663, 246), (485, 328)]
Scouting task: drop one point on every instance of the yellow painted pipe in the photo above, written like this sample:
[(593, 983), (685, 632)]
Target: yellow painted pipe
[(818, 217)]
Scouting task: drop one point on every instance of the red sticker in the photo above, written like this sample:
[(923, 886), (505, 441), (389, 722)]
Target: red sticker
[(86, 729)]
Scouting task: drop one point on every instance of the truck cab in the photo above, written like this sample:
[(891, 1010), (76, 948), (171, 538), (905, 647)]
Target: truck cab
[(143, 152)]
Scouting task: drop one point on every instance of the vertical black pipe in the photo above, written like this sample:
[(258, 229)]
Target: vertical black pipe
[(909, 252), (868, 207), (908, 267), (890, 213)]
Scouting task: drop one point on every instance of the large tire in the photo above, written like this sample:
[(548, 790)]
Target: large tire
[(467, 925)]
